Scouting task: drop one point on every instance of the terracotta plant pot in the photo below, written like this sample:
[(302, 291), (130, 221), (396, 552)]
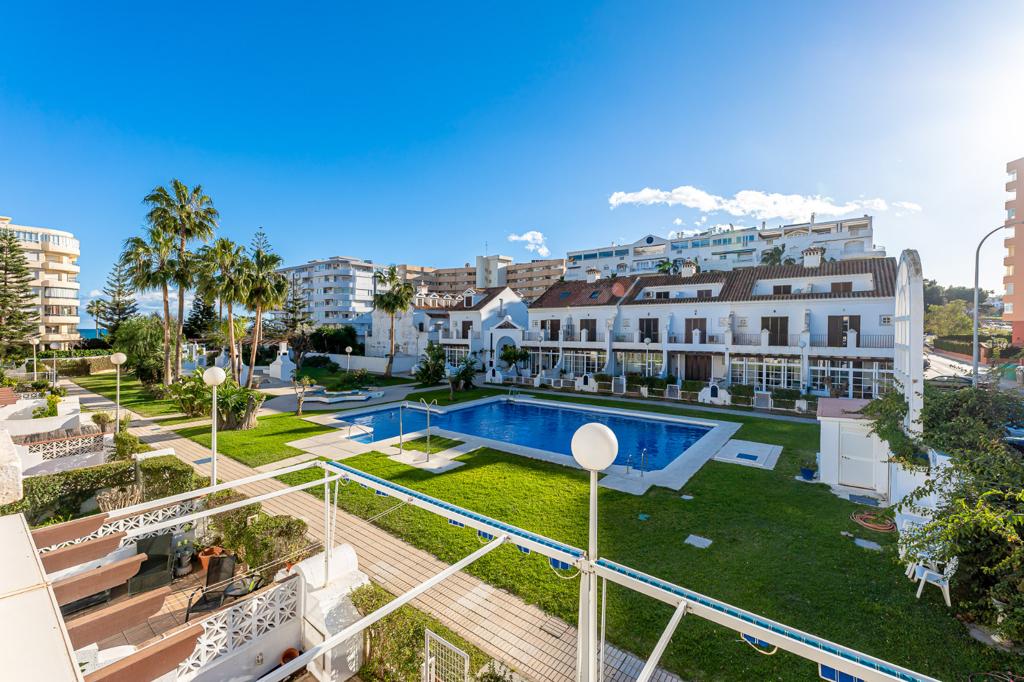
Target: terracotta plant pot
[(289, 654), (206, 553)]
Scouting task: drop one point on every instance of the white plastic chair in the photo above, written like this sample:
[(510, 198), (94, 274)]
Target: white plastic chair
[(940, 579)]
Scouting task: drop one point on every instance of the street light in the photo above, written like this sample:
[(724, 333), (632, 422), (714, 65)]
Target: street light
[(35, 371), (118, 359), (594, 447), (54, 346), (974, 338), (647, 358), (214, 377), (348, 352)]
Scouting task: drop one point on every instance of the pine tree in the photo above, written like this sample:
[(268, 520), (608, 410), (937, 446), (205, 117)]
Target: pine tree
[(294, 315), (120, 302), (200, 320), (19, 320)]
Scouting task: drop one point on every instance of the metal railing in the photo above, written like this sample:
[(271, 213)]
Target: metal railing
[(746, 339), (819, 340), (875, 341)]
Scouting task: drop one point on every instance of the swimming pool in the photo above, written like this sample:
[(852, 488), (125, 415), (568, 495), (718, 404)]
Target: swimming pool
[(543, 427)]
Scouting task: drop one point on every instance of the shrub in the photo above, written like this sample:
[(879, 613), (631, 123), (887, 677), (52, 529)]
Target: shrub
[(320, 361), (158, 391), (75, 368), (58, 391), (141, 338), (396, 641), (272, 538), (125, 446), (229, 527), (102, 420), (193, 396), (693, 386), (603, 378), (38, 385), (74, 353), (48, 410), (742, 390), (64, 493), (785, 394), (237, 406), (167, 475), (430, 369)]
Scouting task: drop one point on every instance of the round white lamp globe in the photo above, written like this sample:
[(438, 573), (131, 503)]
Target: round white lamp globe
[(214, 376), (348, 349), (118, 358), (594, 446), (35, 342)]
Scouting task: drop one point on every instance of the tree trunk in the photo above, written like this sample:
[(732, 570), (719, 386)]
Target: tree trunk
[(181, 312), (232, 351), (257, 329), (167, 336), (391, 356)]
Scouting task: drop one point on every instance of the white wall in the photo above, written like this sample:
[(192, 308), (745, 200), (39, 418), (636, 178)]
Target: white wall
[(403, 363), (832, 432), (17, 419)]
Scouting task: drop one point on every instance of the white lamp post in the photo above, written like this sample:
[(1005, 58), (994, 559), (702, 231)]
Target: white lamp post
[(647, 359), (54, 346), (594, 447), (974, 335), (117, 359), (348, 352), (35, 371), (214, 377)]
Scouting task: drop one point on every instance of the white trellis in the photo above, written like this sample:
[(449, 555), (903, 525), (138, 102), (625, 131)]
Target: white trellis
[(443, 661), (230, 630), (129, 523), (66, 447)]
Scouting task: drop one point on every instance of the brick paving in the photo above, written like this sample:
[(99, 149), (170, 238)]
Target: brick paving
[(502, 625)]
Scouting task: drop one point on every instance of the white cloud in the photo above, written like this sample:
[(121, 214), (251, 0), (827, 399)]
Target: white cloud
[(908, 206), (677, 221), (535, 241), (755, 203), (93, 293)]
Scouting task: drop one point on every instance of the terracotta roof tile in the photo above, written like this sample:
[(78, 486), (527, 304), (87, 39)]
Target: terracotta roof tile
[(581, 293)]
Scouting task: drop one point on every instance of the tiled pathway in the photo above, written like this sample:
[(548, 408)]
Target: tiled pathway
[(498, 622)]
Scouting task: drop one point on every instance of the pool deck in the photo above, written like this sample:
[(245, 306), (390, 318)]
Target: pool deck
[(616, 477)]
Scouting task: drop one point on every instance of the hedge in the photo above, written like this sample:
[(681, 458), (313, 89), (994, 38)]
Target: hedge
[(963, 347), (61, 495), (75, 353)]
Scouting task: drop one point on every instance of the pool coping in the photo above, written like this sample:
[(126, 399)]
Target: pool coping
[(617, 477)]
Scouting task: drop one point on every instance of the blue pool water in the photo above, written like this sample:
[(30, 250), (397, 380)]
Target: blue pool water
[(545, 428)]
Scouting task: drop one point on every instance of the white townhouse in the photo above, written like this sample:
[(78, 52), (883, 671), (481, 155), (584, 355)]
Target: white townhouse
[(424, 322), (725, 248), (817, 325), (484, 321)]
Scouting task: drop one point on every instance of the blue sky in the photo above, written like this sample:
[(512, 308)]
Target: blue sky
[(420, 133)]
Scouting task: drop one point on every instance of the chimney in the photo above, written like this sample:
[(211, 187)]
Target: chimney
[(688, 268), (593, 274), (812, 256)]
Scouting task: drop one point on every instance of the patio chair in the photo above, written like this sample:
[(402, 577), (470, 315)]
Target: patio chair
[(938, 578), (218, 579), (157, 570)]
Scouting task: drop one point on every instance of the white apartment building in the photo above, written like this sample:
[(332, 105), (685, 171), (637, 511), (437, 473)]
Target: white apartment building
[(471, 322), (337, 290), (53, 260), (529, 280), (814, 326), (424, 322), (725, 249)]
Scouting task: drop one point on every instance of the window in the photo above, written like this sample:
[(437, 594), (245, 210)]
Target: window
[(605, 254), (838, 326), (842, 287), (589, 256), (595, 293), (622, 252), (703, 293), (1011, 213), (778, 330), (885, 320), (649, 329), (782, 289), (661, 294), (1009, 288), (563, 295), (1008, 308), (590, 327)]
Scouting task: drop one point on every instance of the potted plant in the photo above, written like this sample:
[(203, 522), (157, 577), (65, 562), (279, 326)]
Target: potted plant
[(206, 552), (183, 553), (809, 469)]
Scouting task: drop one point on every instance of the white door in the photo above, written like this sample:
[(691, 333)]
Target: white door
[(856, 458)]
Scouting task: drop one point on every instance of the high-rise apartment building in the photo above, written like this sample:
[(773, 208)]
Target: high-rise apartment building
[(53, 261), (529, 280), (336, 289), (1013, 278)]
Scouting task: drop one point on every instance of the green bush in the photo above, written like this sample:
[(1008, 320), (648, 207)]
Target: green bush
[(75, 368), (320, 361), (193, 396), (396, 641), (603, 378), (273, 538), (102, 420), (742, 390), (430, 370), (693, 386), (58, 391), (785, 394), (125, 446), (48, 410), (167, 475), (74, 353), (962, 347), (229, 527), (62, 494)]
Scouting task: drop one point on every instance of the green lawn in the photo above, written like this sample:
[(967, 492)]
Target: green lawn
[(262, 445), (333, 381), (437, 444), (133, 395), (778, 551)]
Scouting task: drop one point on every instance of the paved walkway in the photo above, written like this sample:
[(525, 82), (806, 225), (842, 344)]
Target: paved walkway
[(536, 645)]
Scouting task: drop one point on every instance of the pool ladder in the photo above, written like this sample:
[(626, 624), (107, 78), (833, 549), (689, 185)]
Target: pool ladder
[(643, 461), (512, 393)]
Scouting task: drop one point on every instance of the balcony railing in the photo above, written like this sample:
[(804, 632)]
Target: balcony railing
[(875, 341), (134, 521), (819, 340), (746, 339), (66, 447)]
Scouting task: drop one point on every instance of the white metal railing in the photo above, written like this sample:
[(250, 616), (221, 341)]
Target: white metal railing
[(66, 447), (140, 520), (228, 631), (30, 395)]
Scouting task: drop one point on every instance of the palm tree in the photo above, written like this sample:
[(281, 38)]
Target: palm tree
[(95, 308), (772, 256), (225, 274), (396, 298), (151, 265), (267, 290), (667, 267), (188, 214)]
